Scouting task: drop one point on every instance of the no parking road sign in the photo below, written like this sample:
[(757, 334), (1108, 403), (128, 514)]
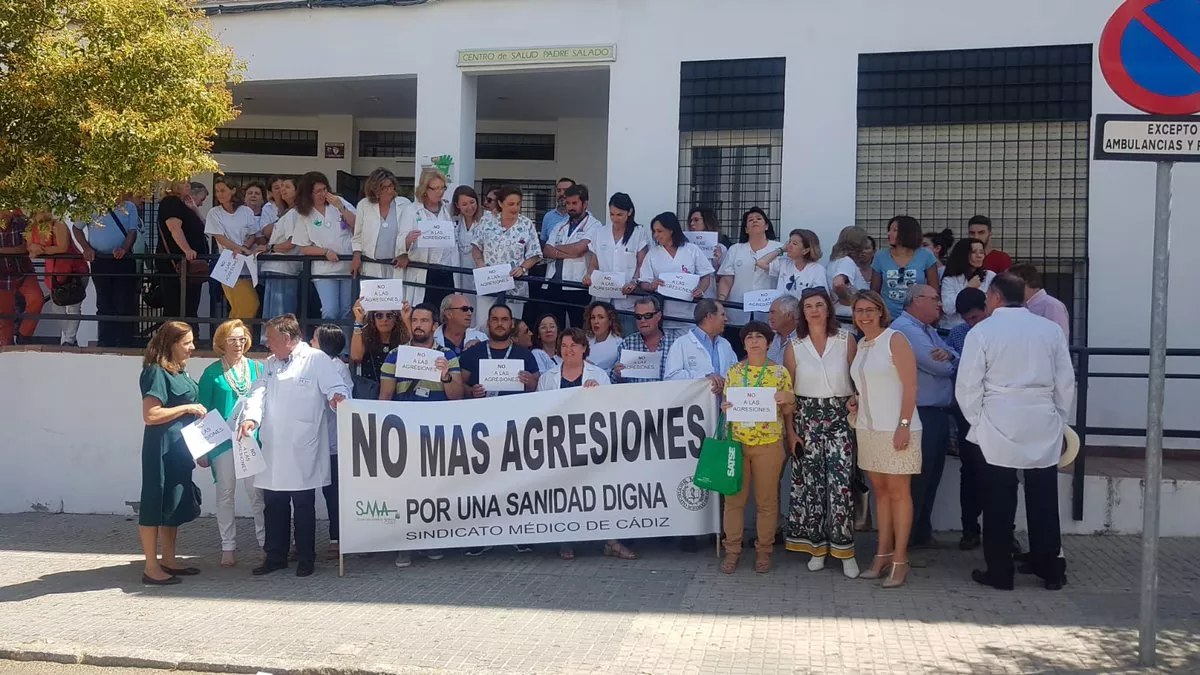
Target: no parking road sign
[(1150, 55)]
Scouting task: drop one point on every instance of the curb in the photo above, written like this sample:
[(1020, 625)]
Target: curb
[(159, 661)]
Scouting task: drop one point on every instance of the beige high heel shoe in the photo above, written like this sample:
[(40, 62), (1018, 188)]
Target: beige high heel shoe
[(892, 581), (883, 571)]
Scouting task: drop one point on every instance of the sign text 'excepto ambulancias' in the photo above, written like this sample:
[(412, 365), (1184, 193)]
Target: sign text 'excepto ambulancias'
[(537, 55), (610, 462), (1148, 138)]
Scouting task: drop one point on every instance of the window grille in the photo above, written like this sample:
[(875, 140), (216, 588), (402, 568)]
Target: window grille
[(515, 146), (387, 143), (286, 142), (537, 196)]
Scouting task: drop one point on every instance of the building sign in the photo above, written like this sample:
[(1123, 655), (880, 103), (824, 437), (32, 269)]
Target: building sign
[(335, 151), (471, 58), (1148, 138)]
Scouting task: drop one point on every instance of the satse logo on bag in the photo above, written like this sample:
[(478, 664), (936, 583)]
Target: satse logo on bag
[(731, 463)]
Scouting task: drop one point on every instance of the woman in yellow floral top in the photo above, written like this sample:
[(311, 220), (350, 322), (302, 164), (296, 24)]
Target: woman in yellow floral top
[(762, 449)]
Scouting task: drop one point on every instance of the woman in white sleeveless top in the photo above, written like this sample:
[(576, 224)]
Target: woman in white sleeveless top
[(888, 431), (820, 519)]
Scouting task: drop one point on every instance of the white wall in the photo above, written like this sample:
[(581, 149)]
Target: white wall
[(821, 42)]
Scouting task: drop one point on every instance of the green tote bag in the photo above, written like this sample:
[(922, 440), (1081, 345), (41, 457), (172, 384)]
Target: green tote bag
[(720, 465)]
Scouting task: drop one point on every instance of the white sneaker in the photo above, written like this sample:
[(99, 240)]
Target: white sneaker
[(816, 563), (435, 555), (850, 568), (403, 559)]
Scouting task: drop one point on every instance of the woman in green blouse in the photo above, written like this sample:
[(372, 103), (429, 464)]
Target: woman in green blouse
[(169, 497), (223, 387)]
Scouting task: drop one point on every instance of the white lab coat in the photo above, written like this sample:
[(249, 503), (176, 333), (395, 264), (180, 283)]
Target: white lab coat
[(688, 360), (573, 269), (1015, 386), (410, 218), (552, 379), (367, 225), (288, 403)]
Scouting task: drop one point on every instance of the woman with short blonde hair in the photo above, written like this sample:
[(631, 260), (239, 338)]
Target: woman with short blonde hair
[(429, 206), (375, 231), (797, 269), (223, 387)]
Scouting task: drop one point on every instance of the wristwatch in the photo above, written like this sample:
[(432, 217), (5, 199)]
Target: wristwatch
[(446, 379), (904, 423)]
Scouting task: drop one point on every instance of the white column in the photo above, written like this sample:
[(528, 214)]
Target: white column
[(643, 129), (446, 121)]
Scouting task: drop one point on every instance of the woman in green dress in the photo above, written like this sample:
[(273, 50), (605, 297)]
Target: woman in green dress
[(223, 385), (169, 497)]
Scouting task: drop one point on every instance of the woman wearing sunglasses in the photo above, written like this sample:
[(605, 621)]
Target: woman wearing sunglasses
[(375, 334), (223, 387)]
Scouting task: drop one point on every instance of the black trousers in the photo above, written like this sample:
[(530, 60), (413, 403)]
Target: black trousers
[(440, 278), (999, 519), (190, 308), (331, 498), (278, 513), (565, 306), (116, 296), (970, 495)]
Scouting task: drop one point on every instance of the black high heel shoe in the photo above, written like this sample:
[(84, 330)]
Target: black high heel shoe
[(169, 581)]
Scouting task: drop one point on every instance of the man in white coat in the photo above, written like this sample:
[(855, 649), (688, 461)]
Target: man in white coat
[(701, 351), (1015, 386), (288, 402)]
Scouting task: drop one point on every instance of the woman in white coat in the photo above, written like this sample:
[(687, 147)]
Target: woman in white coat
[(427, 208), (376, 226), (619, 249), (324, 228), (287, 405), (464, 206), (964, 269), (674, 254)]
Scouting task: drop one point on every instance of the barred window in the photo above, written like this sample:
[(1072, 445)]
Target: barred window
[(387, 143), (515, 146), (286, 142), (537, 196)]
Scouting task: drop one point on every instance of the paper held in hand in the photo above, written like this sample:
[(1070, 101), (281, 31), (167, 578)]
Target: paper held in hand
[(436, 234), (417, 363), (751, 404), (606, 285), (251, 263), (640, 365), (206, 433), (678, 284), (493, 279), (760, 301), (501, 374), (227, 269), (705, 241), (248, 458), (382, 294)]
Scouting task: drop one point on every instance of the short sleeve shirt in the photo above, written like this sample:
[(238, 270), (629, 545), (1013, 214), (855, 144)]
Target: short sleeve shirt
[(896, 279), (193, 230), (408, 389), (776, 376), (512, 246), (236, 227), (469, 361)]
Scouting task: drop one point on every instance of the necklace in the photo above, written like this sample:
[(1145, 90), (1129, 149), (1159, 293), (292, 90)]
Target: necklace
[(238, 377)]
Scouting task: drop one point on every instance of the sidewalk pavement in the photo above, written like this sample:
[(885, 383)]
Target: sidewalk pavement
[(70, 591)]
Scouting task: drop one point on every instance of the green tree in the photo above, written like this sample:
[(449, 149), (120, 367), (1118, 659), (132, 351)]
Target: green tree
[(99, 98)]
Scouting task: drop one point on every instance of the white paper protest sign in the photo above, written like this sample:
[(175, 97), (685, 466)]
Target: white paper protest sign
[(641, 365), (766, 251), (382, 294), (678, 284), (760, 301), (437, 234), (251, 263), (248, 458), (206, 433), (493, 279), (227, 269), (606, 285), (751, 404), (705, 241), (417, 363), (501, 374)]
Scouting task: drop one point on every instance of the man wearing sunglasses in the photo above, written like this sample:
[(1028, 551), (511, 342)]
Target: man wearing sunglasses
[(648, 338), (456, 334)]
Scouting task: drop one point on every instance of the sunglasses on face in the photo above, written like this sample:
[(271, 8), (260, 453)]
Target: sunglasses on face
[(646, 316), (464, 308)]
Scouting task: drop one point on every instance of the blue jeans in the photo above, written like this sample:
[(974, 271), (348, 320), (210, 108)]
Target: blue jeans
[(281, 295), (935, 440), (336, 300)]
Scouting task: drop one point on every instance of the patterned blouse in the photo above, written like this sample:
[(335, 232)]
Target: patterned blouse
[(15, 267), (776, 376), (507, 247)]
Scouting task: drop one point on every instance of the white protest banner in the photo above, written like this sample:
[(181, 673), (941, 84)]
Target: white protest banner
[(610, 462), (751, 404), (493, 279), (606, 285), (641, 365), (381, 294), (437, 234), (705, 241), (501, 374), (251, 263), (416, 363), (760, 301), (248, 459), (227, 269), (206, 433), (678, 284)]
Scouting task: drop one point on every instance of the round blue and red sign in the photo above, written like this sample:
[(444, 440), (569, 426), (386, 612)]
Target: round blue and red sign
[(1150, 55)]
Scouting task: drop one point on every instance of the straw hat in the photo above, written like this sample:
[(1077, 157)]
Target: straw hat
[(1072, 450)]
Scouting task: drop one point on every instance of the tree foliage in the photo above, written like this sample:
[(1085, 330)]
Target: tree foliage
[(99, 98)]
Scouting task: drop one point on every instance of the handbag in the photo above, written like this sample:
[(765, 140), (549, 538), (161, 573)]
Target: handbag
[(720, 465), (69, 292), (196, 269)]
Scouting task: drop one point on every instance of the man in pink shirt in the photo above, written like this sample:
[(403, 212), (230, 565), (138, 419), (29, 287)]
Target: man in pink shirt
[(1039, 302)]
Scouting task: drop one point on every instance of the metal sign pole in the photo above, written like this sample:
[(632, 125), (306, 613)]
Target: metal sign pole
[(1147, 625)]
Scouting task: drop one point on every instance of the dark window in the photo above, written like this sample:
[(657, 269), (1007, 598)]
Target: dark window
[(238, 180), (515, 146), (387, 144), (537, 196), (289, 142), (1016, 84), (732, 94)]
